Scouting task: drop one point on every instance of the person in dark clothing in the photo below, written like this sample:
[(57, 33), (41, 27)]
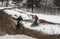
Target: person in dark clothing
[(19, 22), (20, 18), (18, 25)]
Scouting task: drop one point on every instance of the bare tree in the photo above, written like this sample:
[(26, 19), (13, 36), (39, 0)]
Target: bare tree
[(2, 2), (57, 3), (33, 3), (17, 2), (7, 3)]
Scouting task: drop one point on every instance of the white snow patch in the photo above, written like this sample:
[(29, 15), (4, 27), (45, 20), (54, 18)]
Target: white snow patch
[(49, 18), (45, 28), (16, 37), (4, 8), (16, 14)]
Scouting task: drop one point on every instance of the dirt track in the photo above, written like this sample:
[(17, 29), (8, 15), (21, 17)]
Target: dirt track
[(7, 26)]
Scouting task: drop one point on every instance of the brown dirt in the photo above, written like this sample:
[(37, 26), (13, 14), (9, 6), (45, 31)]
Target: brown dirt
[(7, 27)]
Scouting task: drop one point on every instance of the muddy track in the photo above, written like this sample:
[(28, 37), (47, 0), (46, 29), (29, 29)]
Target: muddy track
[(7, 26)]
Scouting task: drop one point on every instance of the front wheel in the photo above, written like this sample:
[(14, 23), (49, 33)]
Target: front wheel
[(34, 24)]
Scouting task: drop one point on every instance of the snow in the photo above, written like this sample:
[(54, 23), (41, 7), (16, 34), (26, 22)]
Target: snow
[(16, 37), (16, 14), (1, 8), (49, 18), (45, 28)]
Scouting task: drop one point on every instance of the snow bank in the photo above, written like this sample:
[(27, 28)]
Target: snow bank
[(45, 28), (27, 16), (16, 14), (49, 18), (4, 8), (16, 37), (9, 7)]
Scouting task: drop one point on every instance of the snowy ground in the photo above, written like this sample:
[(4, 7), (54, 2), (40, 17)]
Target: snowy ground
[(16, 37), (45, 28), (16, 14), (26, 15)]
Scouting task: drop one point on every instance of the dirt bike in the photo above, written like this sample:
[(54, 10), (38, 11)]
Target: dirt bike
[(34, 24)]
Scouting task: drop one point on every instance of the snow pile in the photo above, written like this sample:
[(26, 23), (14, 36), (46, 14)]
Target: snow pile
[(9, 7), (16, 14), (49, 18), (45, 28), (5, 8), (16, 37)]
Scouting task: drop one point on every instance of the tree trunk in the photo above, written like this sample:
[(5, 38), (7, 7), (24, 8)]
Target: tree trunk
[(7, 3), (2, 2), (32, 6)]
